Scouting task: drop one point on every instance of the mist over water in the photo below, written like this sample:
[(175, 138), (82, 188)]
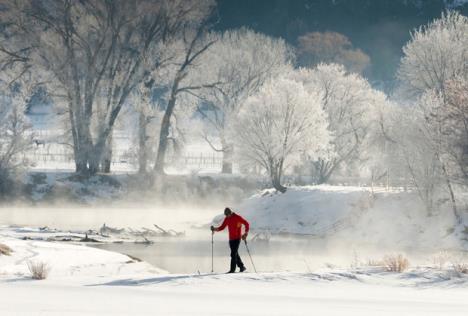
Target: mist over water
[(188, 254), (192, 252), (180, 218)]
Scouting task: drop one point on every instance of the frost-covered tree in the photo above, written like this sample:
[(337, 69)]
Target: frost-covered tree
[(241, 61), (147, 120), (419, 152), (15, 133), (455, 126), (183, 80), (377, 162), (278, 125), (93, 49), (418, 149), (351, 106), (435, 54)]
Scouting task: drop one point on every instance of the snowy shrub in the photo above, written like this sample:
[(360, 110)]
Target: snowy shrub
[(395, 263), (5, 250), (39, 270)]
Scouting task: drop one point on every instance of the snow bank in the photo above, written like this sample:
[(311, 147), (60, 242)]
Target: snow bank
[(304, 210), (394, 219)]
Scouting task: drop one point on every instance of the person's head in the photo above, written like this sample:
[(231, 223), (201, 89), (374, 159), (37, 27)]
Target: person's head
[(227, 211)]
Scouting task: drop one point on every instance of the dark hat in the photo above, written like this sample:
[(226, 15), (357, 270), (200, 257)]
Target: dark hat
[(227, 211)]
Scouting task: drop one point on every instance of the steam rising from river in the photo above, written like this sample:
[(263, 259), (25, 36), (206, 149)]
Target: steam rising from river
[(192, 253)]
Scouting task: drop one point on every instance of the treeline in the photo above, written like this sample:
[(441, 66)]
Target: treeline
[(158, 68)]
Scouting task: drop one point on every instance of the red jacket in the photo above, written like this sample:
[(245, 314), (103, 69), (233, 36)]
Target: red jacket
[(234, 224)]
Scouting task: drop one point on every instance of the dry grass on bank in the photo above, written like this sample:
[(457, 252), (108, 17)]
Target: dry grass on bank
[(5, 250)]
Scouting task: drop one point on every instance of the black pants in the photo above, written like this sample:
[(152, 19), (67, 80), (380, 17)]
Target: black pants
[(235, 259)]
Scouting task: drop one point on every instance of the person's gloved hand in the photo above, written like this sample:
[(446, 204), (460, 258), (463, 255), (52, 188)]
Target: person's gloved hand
[(244, 237), (212, 228)]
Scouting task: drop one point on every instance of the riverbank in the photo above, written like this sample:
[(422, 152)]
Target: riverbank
[(386, 218)]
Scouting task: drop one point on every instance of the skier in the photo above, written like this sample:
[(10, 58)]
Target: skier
[(234, 223)]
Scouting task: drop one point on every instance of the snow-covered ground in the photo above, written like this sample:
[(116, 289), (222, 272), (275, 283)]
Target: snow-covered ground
[(67, 261), (89, 281), (86, 281)]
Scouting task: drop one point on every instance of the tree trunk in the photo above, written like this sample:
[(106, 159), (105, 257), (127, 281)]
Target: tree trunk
[(275, 175), (80, 157), (322, 171), (162, 148), (277, 185), (82, 148), (79, 148), (227, 157), (322, 178), (142, 152), (164, 133), (452, 195), (106, 157), (93, 163), (81, 162)]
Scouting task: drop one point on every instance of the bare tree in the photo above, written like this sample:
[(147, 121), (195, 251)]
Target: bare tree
[(278, 125), (94, 49)]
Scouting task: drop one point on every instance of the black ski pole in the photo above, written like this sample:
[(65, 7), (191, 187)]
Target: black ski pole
[(248, 251), (212, 234)]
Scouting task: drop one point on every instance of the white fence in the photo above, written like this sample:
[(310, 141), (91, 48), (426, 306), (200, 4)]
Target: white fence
[(60, 156)]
